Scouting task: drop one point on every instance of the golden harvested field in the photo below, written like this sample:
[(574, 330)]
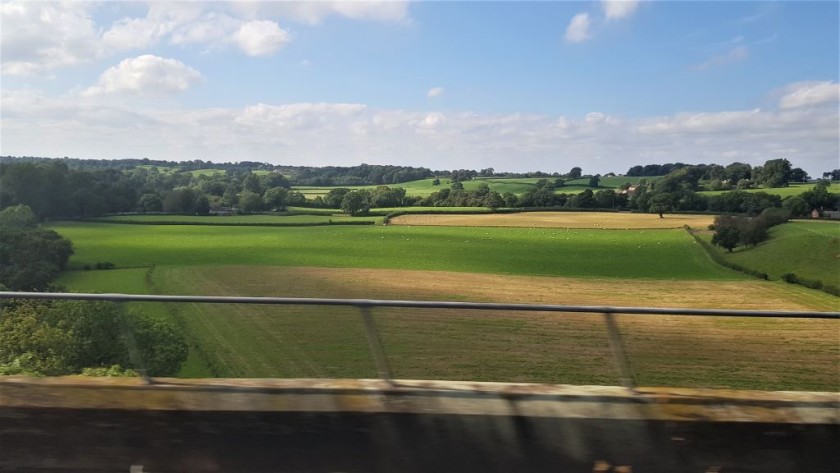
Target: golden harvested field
[(507, 346), (606, 220)]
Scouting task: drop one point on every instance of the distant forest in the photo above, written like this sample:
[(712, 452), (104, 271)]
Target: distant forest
[(77, 188)]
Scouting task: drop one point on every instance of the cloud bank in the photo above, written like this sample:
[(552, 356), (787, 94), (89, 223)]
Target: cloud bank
[(803, 128), (39, 37)]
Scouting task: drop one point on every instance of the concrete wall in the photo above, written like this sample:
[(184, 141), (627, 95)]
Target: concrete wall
[(89, 424)]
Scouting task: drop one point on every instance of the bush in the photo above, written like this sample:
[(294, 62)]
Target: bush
[(775, 216), (790, 278), (810, 283), (105, 265), (66, 337), (833, 290)]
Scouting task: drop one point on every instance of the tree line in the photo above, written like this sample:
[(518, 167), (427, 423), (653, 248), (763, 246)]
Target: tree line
[(67, 189), (676, 192)]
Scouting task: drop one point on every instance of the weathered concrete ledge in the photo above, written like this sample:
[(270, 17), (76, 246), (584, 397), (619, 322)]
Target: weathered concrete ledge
[(112, 424), (419, 397)]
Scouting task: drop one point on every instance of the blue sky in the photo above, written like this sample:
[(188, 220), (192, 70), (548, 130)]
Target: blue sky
[(516, 86)]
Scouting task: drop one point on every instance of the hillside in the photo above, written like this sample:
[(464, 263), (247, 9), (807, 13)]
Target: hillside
[(811, 250)]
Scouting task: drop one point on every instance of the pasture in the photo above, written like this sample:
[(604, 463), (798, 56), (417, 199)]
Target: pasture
[(600, 220), (811, 250), (649, 254)]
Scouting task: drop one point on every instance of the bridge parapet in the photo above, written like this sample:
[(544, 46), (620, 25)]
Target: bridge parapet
[(112, 424)]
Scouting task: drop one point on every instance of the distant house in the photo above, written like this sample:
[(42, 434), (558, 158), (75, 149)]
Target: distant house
[(629, 190), (830, 214), (224, 211)]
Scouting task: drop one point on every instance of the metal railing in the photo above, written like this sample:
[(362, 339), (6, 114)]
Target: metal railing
[(365, 307)]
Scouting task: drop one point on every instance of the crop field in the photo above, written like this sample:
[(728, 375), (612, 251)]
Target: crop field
[(659, 267), (236, 219), (602, 220), (811, 250)]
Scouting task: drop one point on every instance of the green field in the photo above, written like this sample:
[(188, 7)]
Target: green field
[(237, 219), (792, 189), (530, 265), (425, 187), (556, 252), (811, 250)]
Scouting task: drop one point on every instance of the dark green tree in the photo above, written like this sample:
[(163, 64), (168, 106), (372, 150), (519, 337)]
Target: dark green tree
[(275, 198), (494, 200), (30, 257), (775, 173), (355, 203), (250, 202), (726, 237)]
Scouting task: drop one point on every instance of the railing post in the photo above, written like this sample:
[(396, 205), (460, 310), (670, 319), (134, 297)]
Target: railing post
[(619, 352), (130, 342), (375, 343)]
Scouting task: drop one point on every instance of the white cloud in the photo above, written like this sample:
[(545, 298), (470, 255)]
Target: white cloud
[(578, 29), (36, 36), (434, 92), (734, 55), (297, 116), (617, 9), (432, 120), (351, 133), (161, 20), (145, 75), (703, 122), (212, 29), (595, 117), (315, 12), (188, 23), (804, 94), (260, 38)]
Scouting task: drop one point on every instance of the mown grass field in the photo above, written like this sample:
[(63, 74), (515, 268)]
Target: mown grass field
[(811, 250), (664, 268), (292, 341), (650, 254), (600, 220), (237, 219)]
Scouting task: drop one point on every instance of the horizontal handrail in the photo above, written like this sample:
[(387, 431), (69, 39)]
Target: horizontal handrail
[(367, 303)]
